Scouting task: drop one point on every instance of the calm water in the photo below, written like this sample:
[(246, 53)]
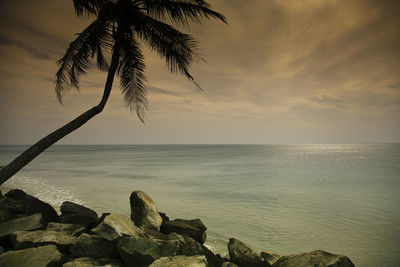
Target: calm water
[(284, 198)]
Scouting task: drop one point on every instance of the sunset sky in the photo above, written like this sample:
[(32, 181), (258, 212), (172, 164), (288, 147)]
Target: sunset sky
[(280, 72)]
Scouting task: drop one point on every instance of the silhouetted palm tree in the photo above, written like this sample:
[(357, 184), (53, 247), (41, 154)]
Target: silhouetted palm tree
[(118, 27)]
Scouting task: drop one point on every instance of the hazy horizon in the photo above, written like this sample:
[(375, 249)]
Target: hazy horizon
[(281, 72)]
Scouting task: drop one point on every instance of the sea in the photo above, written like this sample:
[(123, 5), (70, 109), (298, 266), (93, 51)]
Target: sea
[(342, 198)]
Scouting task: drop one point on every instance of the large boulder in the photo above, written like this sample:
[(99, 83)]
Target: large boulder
[(181, 261), (269, 256), (318, 258), (228, 264), (18, 203), (89, 262), (16, 194), (45, 256), (92, 246), (144, 211), (26, 239), (115, 226), (77, 214), (192, 228), (67, 228), (146, 249), (34, 205), (243, 256), (29, 223)]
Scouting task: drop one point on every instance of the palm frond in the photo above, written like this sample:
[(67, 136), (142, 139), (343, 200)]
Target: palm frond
[(88, 7), (132, 78), (181, 11), (178, 49), (78, 55)]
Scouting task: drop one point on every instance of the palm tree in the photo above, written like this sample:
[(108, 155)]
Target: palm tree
[(117, 29)]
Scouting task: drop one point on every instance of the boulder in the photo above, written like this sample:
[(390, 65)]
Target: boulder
[(29, 223), (34, 205), (164, 217), (144, 211), (16, 194), (25, 239), (269, 256), (92, 246), (228, 264), (77, 214), (243, 256), (192, 228), (67, 228), (11, 209), (318, 258), (115, 226), (2, 250), (18, 203), (181, 261), (88, 262), (146, 249), (45, 256)]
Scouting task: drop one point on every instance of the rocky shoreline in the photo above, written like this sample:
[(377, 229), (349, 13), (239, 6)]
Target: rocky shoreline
[(33, 234)]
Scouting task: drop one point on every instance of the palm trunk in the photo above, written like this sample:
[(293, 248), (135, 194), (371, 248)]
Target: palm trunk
[(32, 152)]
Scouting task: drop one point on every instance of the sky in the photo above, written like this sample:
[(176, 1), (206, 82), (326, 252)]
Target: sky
[(280, 72)]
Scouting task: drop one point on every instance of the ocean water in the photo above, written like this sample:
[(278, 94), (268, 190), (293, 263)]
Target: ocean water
[(285, 198)]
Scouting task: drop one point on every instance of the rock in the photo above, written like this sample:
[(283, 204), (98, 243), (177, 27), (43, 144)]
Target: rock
[(116, 226), (92, 246), (164, 217), (2, 250), (269, 256), (144, 250), (77, 214), (228, 264), (144, 211), (181, 261), (192, 228), (25, 239), (34, 205), (88, 262), (16, 194), (318, 258), (45, 256), (11, 209), (243, 256), (18, 203), (68, 229), (29, 223)]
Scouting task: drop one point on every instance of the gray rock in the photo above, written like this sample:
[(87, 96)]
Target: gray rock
[(29, 223), (77, 214), (88, 262), (243, 256), (144, 211), (34, 205), (228, 264), (67, 228), (25, 239), (181, 261), (144, 250), (11, 209), (164, 217), (45, 256), (16, 194), (17, 203), (269, 256), (192, 228), (115, 226), (318, 258), (92, 246)]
